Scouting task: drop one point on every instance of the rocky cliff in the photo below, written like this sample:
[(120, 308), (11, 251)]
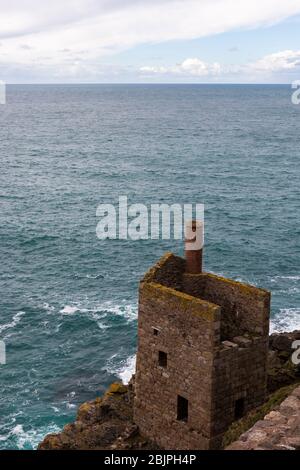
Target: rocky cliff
[(107, 422)]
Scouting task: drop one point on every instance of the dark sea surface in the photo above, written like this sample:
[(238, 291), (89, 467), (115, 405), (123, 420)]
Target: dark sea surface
[(68, 301)]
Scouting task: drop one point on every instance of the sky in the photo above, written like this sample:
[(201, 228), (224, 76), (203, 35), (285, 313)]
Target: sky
[(149, 41)]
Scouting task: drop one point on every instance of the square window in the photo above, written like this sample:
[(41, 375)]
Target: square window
[(162, 359), (239, 408), (182, 408)]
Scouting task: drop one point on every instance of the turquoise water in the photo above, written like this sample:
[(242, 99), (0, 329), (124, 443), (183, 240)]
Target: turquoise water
[(68, 300)]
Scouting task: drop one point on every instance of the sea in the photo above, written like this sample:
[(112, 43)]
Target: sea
[(68, 303)]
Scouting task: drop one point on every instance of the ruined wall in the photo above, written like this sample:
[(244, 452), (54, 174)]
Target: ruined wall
[(167, 271), (186, 330), (245, 309), (239, 380), (214, 332)]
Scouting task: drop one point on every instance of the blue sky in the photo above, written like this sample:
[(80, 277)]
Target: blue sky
[(153, 41), (233, 47)]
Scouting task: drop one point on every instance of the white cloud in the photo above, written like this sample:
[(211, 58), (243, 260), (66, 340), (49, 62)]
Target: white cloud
[(89, 31), (189, 67), (278, 62)]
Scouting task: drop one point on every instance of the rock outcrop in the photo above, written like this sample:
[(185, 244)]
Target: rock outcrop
[(107, 422), (281, 370), (104, 423)]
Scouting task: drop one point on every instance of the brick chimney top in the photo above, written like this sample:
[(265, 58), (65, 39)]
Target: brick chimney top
[(194, 238)]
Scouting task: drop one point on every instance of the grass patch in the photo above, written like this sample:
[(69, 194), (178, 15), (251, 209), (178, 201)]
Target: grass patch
[(242, 425)]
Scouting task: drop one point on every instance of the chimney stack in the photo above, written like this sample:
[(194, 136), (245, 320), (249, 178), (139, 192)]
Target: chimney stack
[(194, 238)]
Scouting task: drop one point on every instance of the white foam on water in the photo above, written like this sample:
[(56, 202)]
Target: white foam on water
[(246, 281), (100, 311), (127, 369), (48, 307), (288, 319), (15, 320), (17, 430), (31, 438), (289, 290), (94, 276), (286, 284), (294, 290), (69, 310), (122, 368), (290, 278), (98, 317), (128, 311), (70, 406)]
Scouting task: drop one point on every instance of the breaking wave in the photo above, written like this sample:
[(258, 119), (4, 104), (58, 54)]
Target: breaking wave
[(15, 320), (103, 312), (28, 439), (122, 368), (288, 319)]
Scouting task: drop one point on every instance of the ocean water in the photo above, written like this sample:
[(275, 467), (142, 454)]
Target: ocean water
[(68, 301)]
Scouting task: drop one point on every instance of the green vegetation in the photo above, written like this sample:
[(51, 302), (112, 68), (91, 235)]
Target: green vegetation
[(242, 425)]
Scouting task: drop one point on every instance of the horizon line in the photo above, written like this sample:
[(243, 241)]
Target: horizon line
[(146, 83)]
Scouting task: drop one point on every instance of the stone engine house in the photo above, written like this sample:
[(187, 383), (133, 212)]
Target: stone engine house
[(202, 353)]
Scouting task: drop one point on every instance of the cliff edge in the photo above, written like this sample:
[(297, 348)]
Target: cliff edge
[(107, 422)]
